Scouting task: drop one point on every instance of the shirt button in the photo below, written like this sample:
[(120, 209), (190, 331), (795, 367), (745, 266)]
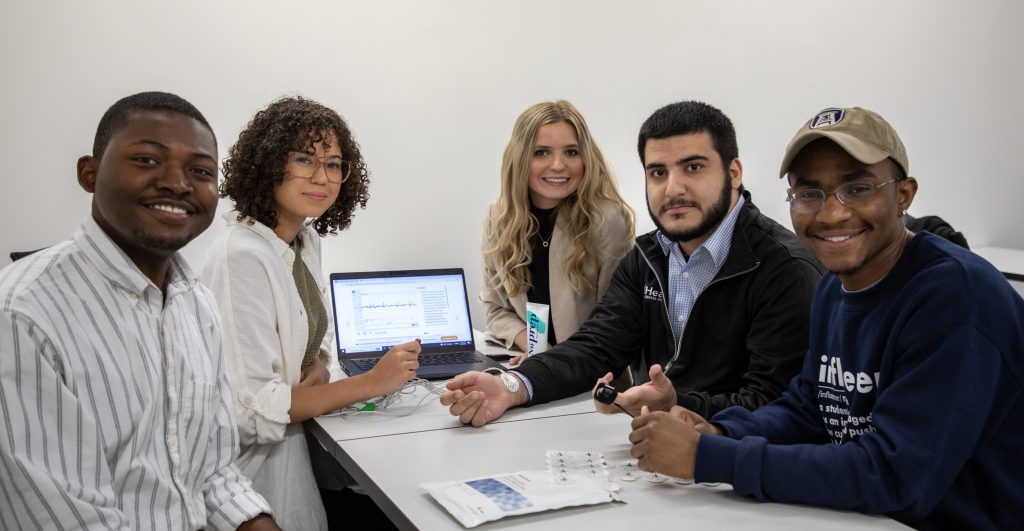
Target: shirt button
[(133, 298), (686, 274), (682, 317), (170, 380), (172, 443)]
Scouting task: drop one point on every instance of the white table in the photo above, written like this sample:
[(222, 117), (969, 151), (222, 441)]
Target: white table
[(391, 456), (406, 417)]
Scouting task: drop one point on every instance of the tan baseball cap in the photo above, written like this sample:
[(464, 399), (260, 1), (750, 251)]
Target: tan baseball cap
[(864, 134)]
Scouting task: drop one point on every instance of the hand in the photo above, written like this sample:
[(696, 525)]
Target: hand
[(698, 421), (315, 374), (478, 397), (665, 443), (520, 341), (658, 394), (396, 367)]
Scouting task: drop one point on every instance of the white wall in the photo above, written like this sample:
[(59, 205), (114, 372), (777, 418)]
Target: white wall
[(431, 89)]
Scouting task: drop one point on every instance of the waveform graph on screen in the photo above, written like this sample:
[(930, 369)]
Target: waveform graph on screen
[(397, 308)]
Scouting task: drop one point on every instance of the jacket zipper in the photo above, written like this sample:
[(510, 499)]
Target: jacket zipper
[(664, 300), (664, 303)]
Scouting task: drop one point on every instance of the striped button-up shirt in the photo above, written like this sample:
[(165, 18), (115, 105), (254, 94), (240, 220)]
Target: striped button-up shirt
[(115, 412)]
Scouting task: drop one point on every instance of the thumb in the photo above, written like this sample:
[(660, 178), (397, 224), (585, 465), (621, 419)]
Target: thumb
[(644, 410), (658, 376)]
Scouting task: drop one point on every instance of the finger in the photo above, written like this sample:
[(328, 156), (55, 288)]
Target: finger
[(482, 415), (450, 397), (465, 379), (658, 376), (637, 435), (466, 403), (602, 380), (642, 419), (517, 360), (645, 464), (637, 450), (411, 346), (467, 415)]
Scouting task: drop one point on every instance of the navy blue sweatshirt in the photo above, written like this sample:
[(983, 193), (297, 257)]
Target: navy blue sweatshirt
[(909, 403)]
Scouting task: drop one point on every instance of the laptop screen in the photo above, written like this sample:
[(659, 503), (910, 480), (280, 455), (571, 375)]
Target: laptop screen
[(376, 311)]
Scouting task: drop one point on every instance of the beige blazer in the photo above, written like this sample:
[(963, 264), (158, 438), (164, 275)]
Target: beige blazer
[(506, 316)]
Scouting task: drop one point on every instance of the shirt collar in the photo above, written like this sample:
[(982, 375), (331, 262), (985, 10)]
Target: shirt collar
[(717, 245), (281, 248), (114, 264)]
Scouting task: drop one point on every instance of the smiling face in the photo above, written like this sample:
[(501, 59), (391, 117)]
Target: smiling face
[(689, 190), (298, 199), (556, 166), (859, 244), (155, 185)]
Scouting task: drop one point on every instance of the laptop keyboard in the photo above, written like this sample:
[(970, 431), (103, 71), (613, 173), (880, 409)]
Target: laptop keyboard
[(439, 358)]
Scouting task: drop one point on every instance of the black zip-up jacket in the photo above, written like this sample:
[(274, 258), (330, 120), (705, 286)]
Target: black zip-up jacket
[(745, 338)]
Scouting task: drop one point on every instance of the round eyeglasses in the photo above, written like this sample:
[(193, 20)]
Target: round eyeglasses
[(304, 166), (808, 201)]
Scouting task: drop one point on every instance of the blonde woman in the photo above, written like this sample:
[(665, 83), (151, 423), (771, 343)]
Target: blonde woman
[(557, 231)]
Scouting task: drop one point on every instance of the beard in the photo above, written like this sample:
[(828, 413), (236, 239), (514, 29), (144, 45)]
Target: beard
[(158, 242), (712, 217)]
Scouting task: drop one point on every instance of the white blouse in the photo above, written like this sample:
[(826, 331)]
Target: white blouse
[(249, 270)]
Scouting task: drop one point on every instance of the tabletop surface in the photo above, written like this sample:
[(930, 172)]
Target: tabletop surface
[(391, 456)]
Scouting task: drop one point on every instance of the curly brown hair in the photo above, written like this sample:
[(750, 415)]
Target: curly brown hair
[(256, 163)]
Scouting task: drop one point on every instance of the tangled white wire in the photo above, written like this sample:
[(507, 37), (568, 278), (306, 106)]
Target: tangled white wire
[(398, 397)]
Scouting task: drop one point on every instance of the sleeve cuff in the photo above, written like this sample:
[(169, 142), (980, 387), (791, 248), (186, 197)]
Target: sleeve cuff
[(689, 402), (526, 382), (239, 508), (716, 459), (264, 416)]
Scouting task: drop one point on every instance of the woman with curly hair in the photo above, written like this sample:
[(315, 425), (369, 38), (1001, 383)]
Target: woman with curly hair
[(558, 229), (295, 175)]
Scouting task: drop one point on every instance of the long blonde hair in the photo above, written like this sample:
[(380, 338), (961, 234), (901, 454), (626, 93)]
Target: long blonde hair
[(514, 226)]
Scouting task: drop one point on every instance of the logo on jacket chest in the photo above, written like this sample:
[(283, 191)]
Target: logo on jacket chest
[(652, 294)]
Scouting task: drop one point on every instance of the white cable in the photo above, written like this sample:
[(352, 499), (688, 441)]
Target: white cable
[(391, 400)]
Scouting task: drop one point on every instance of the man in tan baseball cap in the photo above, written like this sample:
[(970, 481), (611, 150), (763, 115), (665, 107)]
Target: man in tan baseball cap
[(864, 134), (910, 402)]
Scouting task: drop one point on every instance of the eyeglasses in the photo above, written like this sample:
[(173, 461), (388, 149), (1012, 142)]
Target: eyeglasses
[(850, 194), (304, 166)]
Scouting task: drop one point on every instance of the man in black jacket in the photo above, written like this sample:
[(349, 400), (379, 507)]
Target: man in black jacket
[(710, 310)]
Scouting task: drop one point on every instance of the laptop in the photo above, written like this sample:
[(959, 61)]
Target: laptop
[(374, 311)]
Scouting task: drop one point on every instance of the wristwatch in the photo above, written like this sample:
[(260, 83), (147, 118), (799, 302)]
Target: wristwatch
[(511, 382)]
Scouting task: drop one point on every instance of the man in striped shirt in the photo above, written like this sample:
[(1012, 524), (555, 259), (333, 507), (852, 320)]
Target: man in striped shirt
[(114, 409)]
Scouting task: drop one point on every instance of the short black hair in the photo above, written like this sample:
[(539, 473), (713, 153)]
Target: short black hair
[(691, 117), (116, 117)]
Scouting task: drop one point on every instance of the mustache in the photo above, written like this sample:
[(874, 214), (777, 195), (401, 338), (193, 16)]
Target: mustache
[(679, 202)]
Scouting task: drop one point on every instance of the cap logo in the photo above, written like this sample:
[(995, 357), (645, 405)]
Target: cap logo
[(826, 118)]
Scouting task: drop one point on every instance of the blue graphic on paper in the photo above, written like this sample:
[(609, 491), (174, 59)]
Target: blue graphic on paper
[(501, 494)]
